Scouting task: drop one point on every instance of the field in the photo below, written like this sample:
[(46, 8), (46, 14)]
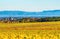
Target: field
[(38, 30)]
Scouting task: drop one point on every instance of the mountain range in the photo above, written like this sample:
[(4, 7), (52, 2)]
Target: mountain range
[(48, 13)]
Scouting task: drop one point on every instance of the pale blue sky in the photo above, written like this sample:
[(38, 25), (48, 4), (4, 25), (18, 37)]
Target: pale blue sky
[(29, 5)]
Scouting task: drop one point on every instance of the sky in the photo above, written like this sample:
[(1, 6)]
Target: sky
[(30, 5)]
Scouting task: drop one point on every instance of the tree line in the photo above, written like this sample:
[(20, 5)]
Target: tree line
[(28, 19)]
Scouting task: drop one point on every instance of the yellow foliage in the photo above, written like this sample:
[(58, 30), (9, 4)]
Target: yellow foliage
[(30, 34)]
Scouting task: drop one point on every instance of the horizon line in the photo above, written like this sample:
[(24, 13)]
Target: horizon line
[(31, 11)]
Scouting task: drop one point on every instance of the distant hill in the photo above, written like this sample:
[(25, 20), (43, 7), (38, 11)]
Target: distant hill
[(49, 13)]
